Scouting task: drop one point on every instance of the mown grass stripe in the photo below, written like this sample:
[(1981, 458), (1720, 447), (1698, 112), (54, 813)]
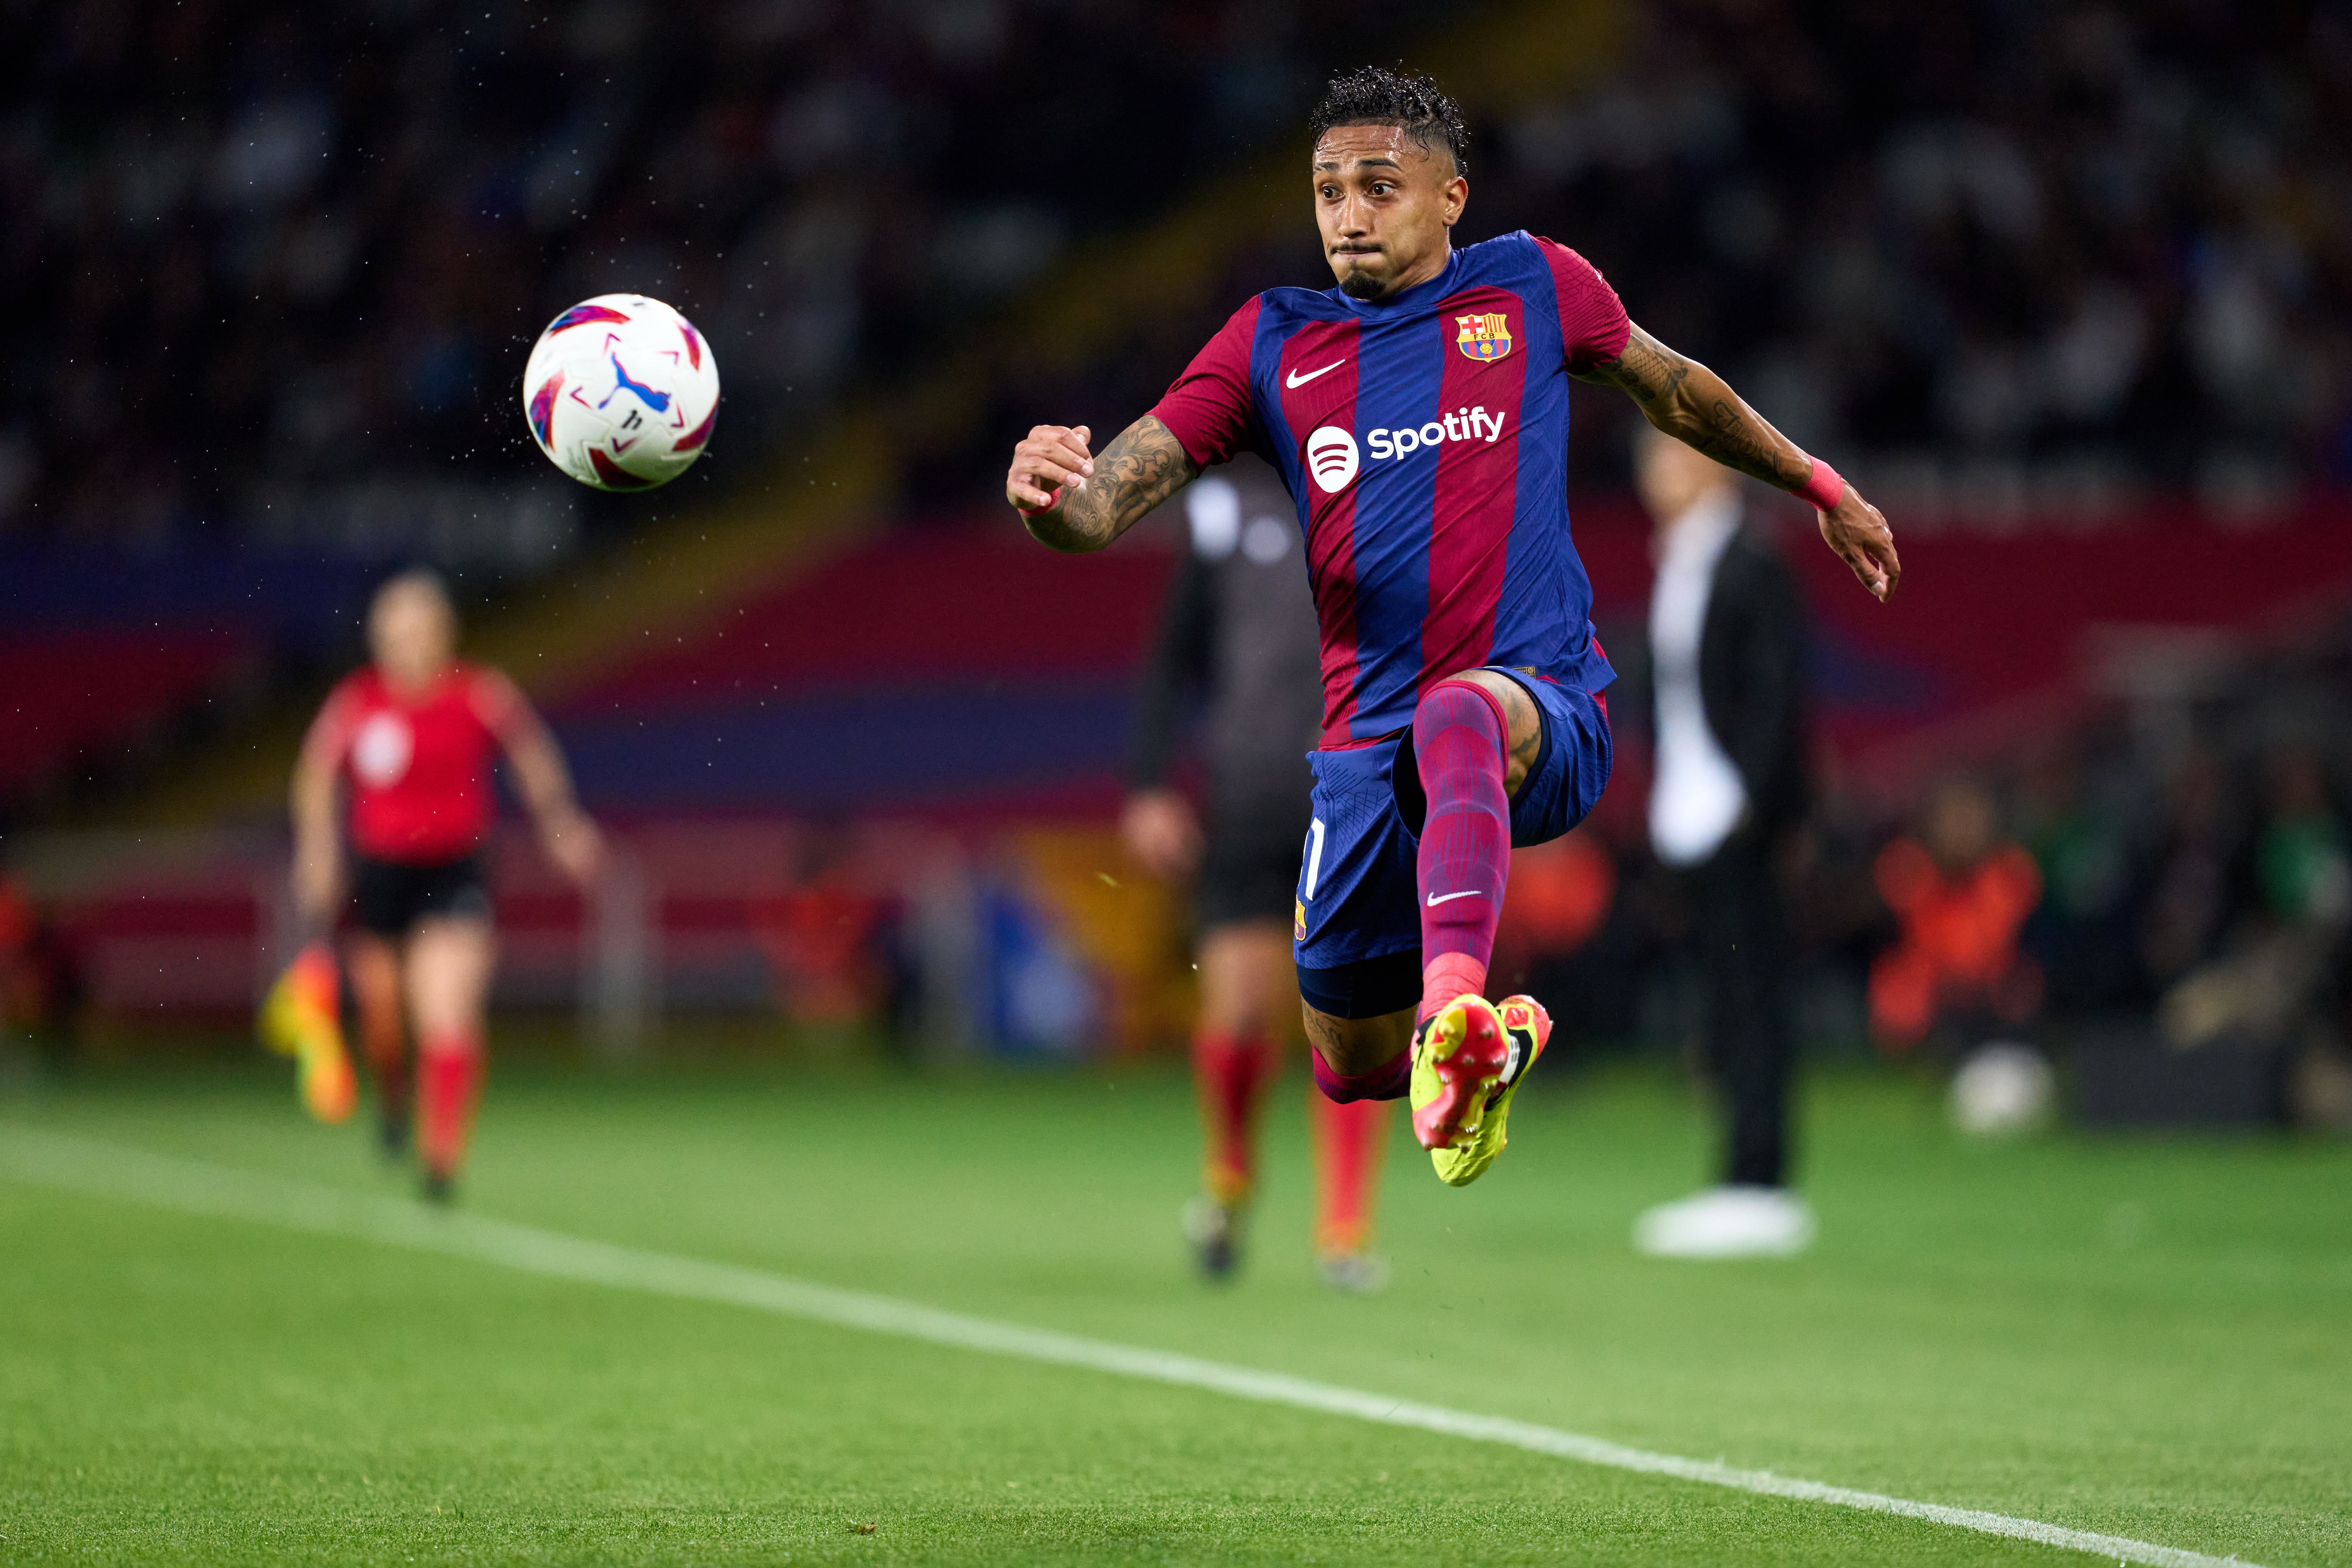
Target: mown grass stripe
[(114, 1171)]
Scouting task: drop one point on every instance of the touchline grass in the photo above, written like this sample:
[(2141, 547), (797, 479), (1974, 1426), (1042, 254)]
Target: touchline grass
[(218, 1192), (2140, 1338)]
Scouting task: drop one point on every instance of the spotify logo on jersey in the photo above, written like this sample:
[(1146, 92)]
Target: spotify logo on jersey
[(1461, 424), (1331, 459)]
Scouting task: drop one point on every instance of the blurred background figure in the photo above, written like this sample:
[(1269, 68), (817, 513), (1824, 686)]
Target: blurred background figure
[(40, 983), (1727, 660), (1239, 637), (2200, 835), (2277, 982), (1961, 892), (414, 737), (2082, 934)]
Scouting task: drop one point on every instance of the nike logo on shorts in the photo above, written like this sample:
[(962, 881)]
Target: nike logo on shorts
[(1295, 381), (1437, 899)]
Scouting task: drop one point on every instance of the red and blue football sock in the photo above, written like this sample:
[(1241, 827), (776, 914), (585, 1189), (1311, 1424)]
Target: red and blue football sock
[(1460, 739), (1387, 1082)]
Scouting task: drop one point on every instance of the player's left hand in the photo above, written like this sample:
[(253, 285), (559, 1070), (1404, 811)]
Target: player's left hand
[(1857, 531), (574, 844)]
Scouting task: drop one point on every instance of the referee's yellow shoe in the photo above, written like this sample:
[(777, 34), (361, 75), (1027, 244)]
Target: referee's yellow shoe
[(1469, 1060)]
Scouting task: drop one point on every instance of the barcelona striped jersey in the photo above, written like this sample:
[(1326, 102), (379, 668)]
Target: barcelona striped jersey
[(1424, 440)]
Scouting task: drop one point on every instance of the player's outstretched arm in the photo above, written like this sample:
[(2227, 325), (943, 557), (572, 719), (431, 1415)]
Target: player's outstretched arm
[(1073, 501), (1693, 404), (568, 834)]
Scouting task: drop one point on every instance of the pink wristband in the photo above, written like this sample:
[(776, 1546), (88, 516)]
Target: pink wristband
[(1824, 489), (1051, 502)]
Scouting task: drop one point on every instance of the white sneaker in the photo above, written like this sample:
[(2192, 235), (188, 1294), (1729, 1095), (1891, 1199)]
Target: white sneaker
[(1354, 1273), (1727, 1222)]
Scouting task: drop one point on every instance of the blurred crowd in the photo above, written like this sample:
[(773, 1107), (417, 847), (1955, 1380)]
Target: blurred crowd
[(267, 255), (2080, 237)]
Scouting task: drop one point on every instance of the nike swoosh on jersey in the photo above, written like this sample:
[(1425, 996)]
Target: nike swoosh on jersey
[(1295, 381), (1437, 899)]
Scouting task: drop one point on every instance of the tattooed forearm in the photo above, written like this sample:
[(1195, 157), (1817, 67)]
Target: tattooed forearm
[(1739, 438), (1143, 466), (1691, 403)]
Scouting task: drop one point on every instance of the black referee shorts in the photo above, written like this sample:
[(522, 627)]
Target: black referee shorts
[(1249, 863), (392, 896)]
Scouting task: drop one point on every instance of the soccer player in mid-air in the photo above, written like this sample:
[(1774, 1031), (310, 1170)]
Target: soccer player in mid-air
[(414, 734), (1418, 415)]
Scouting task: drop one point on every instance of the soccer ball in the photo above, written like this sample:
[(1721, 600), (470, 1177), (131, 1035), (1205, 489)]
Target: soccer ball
[(620, 393), (2002, 1089)]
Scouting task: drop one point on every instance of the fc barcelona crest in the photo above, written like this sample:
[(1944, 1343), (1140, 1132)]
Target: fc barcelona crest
[(1484, 337)]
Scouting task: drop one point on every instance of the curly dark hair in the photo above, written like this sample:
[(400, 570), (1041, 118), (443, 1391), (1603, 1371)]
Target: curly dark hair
[(1375, 95)]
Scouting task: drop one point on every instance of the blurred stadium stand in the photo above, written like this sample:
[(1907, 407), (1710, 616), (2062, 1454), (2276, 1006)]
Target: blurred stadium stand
[(277, 263), (2103, 246), (953, 669), (2070, 285)]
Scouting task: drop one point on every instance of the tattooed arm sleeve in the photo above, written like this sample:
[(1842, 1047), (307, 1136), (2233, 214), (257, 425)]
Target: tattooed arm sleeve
[(1141, 468), (1687, 401), (1693, 404)]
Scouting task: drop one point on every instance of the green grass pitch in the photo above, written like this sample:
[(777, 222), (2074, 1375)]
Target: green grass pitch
[(2145, 1337)]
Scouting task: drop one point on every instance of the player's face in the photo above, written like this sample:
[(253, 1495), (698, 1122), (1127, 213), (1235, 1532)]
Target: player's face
[(411, 634), (1384, 204), (1962, 824)]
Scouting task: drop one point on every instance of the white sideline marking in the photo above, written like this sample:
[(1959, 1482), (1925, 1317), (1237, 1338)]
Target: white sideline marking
[(108, 1170)]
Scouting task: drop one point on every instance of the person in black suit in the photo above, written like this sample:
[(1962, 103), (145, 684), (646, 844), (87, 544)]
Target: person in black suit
[(1727, 659)]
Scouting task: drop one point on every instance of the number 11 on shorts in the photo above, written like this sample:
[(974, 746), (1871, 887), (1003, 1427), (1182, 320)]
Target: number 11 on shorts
[(1314, 869)]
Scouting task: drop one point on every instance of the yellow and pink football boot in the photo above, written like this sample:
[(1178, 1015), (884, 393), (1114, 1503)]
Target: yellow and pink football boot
[(1469, 1058)]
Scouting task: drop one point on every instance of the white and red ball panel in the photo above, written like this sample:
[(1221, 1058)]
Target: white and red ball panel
[(620, 393)]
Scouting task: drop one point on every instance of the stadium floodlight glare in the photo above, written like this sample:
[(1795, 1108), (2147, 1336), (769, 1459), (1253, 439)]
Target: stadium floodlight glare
[(620, 393)]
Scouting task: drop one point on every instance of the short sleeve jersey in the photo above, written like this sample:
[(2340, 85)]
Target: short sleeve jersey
[(1424, 441), (418, 768)]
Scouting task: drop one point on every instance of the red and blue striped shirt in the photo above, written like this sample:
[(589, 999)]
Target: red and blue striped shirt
[(1424, 442)]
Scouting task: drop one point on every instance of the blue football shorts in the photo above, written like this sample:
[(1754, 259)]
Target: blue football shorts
[(1357, 934)]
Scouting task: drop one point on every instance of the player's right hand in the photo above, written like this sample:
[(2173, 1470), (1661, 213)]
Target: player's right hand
[(1052, 456)]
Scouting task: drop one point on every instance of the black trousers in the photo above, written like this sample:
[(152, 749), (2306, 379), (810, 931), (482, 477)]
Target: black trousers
[(1738, 930)]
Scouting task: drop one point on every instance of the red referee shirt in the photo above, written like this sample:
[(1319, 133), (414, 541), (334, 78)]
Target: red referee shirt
[(419, 767)]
